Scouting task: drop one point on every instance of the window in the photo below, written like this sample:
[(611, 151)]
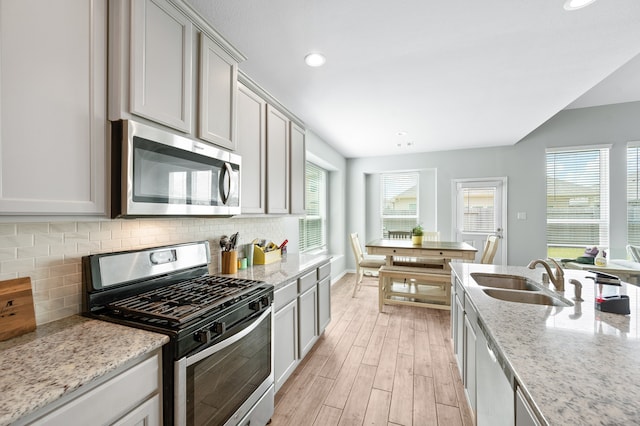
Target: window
[(633, 193), (478, 209), (312, 227), (577, 200), (399, 202)]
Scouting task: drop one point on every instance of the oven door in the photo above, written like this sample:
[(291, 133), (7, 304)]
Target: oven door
[(229, 381), (166, 174)]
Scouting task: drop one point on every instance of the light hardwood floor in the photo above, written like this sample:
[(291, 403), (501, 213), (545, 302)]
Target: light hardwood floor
[(391, 368)]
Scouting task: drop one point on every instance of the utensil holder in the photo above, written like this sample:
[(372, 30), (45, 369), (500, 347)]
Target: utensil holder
[(229, 262)]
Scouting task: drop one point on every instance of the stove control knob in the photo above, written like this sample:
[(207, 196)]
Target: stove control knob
[(256, 306), (203, 336), (265, 301), (219, 327)]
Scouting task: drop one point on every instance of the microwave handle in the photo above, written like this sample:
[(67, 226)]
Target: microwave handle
[(225, 182)]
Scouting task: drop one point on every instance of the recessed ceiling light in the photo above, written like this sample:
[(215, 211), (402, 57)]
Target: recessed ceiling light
[(315, 59), (402, 133), (576, 4)]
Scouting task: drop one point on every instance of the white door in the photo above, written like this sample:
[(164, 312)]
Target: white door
[(480, 206)]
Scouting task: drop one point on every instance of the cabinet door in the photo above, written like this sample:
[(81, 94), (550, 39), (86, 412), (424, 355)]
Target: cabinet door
[(53, 106), (298, 162), (277, 161), (524, 412), (251, 145), (218, 87), (308, 320), (324, 304), (469, 378), (494, 396), (161, 61), (459, 334), (285, 342), (148, 414)]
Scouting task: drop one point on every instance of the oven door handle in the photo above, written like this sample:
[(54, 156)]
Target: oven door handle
[(229, 341)]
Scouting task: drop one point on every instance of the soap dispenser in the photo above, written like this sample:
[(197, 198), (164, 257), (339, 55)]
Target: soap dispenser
[(600, 260)]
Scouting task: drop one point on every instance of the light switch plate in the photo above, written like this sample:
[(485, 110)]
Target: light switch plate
[(522, 215)]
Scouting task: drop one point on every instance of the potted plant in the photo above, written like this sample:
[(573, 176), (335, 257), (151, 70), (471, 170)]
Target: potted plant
[(416, 235)]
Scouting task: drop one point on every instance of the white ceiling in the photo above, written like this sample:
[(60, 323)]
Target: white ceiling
[(452, 74)]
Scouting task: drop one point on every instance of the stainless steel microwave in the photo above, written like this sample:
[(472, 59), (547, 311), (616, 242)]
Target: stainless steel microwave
[(157, 173)]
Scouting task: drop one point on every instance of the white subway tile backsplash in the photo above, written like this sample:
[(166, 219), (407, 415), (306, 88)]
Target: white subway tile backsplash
[(8, 254), (18, 265), (24, 240), (50, 253), (7, 229), (33, 228), (35, 251), (48, 239)]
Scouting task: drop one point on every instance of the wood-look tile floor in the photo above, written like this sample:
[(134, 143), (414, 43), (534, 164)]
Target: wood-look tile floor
[(391, 368)]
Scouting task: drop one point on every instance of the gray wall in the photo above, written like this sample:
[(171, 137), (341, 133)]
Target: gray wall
[(328, 158), (524, 165)]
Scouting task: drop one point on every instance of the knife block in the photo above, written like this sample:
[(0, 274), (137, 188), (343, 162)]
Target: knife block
[(229, 262)]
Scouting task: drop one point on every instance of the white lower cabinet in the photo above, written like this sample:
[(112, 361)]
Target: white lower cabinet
[(308, 319), (470, 341), (324, 304), (285, 342), (495, 395), (302, 311), (524, 413), (131, 397)]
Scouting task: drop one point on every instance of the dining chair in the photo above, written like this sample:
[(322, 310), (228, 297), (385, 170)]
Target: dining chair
[(363, 262), (431, 236), (490, 248), (399, 235)]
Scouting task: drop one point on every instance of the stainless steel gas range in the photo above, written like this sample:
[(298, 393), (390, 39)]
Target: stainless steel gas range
[(217, 367)]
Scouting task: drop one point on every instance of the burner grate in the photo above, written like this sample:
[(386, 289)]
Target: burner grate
[(181, 302)]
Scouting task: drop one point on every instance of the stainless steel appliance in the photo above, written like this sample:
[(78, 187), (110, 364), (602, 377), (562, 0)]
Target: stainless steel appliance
[(155, 172), (217, 366)]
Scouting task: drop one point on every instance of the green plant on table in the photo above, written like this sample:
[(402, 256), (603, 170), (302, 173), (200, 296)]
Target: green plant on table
[(417, 231)]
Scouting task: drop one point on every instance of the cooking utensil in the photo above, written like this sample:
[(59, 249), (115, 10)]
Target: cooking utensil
[(224, 243), (234, 241)]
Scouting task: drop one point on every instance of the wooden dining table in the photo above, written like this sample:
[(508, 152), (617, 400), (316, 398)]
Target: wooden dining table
[(424, 266)]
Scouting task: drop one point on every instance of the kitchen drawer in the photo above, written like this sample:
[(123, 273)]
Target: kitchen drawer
[(285, 295), (307, 281), (324, 271)]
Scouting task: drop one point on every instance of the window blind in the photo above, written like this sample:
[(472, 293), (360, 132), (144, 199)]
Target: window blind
[(399, 200), (312, 228), (633, 193), (577, 200), (479, 213)]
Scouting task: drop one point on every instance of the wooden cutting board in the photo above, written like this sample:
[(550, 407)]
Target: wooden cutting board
[(17, 315)]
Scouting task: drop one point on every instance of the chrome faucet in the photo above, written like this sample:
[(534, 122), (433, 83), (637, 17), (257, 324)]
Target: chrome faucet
[(557, 279)]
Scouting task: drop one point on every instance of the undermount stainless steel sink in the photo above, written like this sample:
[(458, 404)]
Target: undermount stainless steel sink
[(525, 297), (512, 282)]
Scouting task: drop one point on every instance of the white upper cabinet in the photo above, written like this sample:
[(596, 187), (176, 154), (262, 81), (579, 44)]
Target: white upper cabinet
[(218, 86), (169, 66), (277, 161), (251, 145), (161, 61), (53, 130), (298, 155)]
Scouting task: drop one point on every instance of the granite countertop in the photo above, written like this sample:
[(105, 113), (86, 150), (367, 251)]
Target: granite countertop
[(281, 272), (57, 358), (576, 364)]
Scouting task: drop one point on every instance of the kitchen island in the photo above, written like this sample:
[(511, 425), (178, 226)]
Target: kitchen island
[(65, 358), (574, 365)]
